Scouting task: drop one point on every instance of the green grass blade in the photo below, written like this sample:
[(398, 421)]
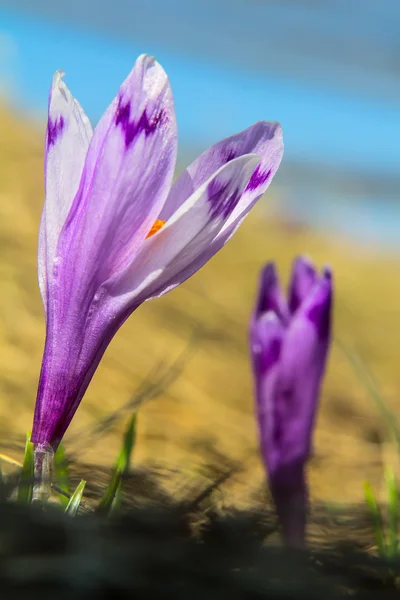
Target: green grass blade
[(112, 497), (75, 500), (377, 519), (393, 511), (3, 495), (371, 387), (25, 487), (106, 503), (128, 442), (61, 474)]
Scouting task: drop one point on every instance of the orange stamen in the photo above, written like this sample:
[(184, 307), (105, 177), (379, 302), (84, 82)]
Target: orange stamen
[(157, 225)]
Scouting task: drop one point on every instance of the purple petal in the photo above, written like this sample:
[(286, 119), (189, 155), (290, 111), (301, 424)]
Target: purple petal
[(320, 308), (266, 339), (262, 138), (270, 296), (67, 140), (127, 175), (302, 279), (302, 364), (185, 237), (266, 139)]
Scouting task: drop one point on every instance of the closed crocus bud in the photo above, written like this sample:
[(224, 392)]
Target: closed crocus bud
[(289, 347)]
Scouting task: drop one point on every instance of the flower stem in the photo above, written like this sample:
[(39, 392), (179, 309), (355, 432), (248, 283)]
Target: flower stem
[(290, 494), (43, 472)]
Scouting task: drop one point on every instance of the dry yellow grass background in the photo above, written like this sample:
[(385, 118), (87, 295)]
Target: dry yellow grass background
[(212, 400)]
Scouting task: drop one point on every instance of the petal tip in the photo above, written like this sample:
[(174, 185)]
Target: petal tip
[(302, 279), (58, 75), (270, 298), (320, 308), (147, 59)]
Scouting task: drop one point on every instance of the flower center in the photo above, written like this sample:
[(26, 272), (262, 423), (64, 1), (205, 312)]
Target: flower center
[(156, 226)]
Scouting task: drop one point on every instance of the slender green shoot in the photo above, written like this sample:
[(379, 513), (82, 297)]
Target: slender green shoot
[(379, 530), (111, 500), (25, 487), (365, 377), (386, 534), (3, 494), (393, 513), (61, 474), (75, 500)]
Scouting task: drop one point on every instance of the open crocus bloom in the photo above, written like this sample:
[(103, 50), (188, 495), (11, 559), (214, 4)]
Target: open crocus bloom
[(289, 347), (115, 231)]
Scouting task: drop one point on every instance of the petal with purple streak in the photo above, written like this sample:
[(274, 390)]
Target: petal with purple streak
[(270, 297), (266, 140), (186, 235), (222, 199), (133, 128), (266, 339), (262, 138), (319, 311), (124, 185), (67, 140), (302, 279), (258, 179), (54, 130)]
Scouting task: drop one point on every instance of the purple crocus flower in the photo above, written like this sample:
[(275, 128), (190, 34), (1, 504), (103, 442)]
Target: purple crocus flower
[(115, 230), (289, 347)]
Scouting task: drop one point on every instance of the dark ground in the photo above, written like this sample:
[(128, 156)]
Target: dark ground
[(194, 548)]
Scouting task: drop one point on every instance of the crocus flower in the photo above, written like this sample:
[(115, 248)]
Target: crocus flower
[(115, 230), (289, 346)]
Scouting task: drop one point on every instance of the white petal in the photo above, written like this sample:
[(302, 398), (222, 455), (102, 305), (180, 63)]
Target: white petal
[(67, 139), (186, 235)]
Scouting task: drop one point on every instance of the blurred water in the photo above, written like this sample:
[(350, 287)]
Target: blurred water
[(335, 90)]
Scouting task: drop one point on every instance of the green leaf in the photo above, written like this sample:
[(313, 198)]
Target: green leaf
[(371, 387), (112, 497), (76, 499), (105, 505), (393, 511), (25, 487), (377, 519), (3, 494), (62, 475)]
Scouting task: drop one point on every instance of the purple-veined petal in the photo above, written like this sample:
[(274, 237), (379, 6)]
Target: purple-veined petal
[(270, 150), (266, 138), (67, 139), (186, 235), (302, 280), (262, 138), (270, 297), (126, 178), (302, 363), (266, 339)]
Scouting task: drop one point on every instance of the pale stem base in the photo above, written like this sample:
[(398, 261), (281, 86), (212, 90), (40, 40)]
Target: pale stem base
[(43, 472)]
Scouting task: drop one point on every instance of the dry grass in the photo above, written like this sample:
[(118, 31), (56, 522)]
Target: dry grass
[(212, 400)]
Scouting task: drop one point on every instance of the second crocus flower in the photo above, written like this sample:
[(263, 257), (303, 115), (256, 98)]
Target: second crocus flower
[(289, 342)]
